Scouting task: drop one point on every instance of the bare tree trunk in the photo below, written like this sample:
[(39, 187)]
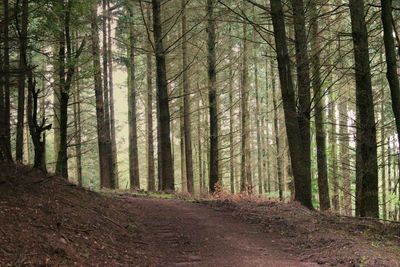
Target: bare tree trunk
[(246, 183), (320, 136), (23, 44), (212, 95), (106, 93), (78, 128), (151, 186), (366, 129), (167, 168), (111, 91), (5, 145), (133, 136), (106, 174), (260, 173), (302, 179), (231, 129), (186, 105)]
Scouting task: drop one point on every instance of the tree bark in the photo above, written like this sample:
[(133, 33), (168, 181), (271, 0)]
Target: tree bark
[(302, 179), (111, 92), (106, 175), (246, 183), (133, 136), (320, 136), (23, 45), (366, 129), (5, 143), (167, 168), (212, 96), (151, 186), (186, 105)]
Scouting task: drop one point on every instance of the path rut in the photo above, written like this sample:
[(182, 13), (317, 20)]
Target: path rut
[(192, 234)]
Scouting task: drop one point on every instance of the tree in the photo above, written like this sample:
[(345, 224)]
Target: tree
[(133, 148), (320, 136), (186, 104), (149, 111), (212, 95), (391, 61), (302, 180), (106, 173), (36, 129), (167, 173), (22, 29), (367, 166), (5, 146)]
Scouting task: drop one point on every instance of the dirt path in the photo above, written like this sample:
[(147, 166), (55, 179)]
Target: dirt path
[(189, 234)]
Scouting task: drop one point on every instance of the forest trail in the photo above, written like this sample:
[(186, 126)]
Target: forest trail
[(188, 234), (46, 221)]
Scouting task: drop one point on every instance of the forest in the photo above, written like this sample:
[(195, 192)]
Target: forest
[(289, 101)]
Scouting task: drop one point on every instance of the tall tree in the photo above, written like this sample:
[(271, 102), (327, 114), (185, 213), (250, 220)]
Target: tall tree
[(391, 61), (186, 103), (106, 173), (212, 95), (149, 111), (133, 136), (367, 166), (22, 29), (111, 93), (302, 179), (67, 63), (320, 136), (167, 168), (246, 183), (5, 146)]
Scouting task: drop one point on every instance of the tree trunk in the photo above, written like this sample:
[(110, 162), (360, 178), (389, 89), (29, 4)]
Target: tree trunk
[(106, 175), (302, 179), (260, 173), (167, 168), (212, 96), (366, 129), (279, 153), (231, 129), (320, 136), (391, 61), (151, 186), (186, 105), (5, 145), (111, 92), (78, 128), (23, 45), (246, 183), (133, 136)]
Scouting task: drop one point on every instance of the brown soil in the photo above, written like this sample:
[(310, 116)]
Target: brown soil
[(46, 221)]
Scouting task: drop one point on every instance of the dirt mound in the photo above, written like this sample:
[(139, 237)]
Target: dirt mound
[(46, 221), (324, 238)]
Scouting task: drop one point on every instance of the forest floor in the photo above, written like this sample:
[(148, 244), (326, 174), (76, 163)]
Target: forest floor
[(46, 221)]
